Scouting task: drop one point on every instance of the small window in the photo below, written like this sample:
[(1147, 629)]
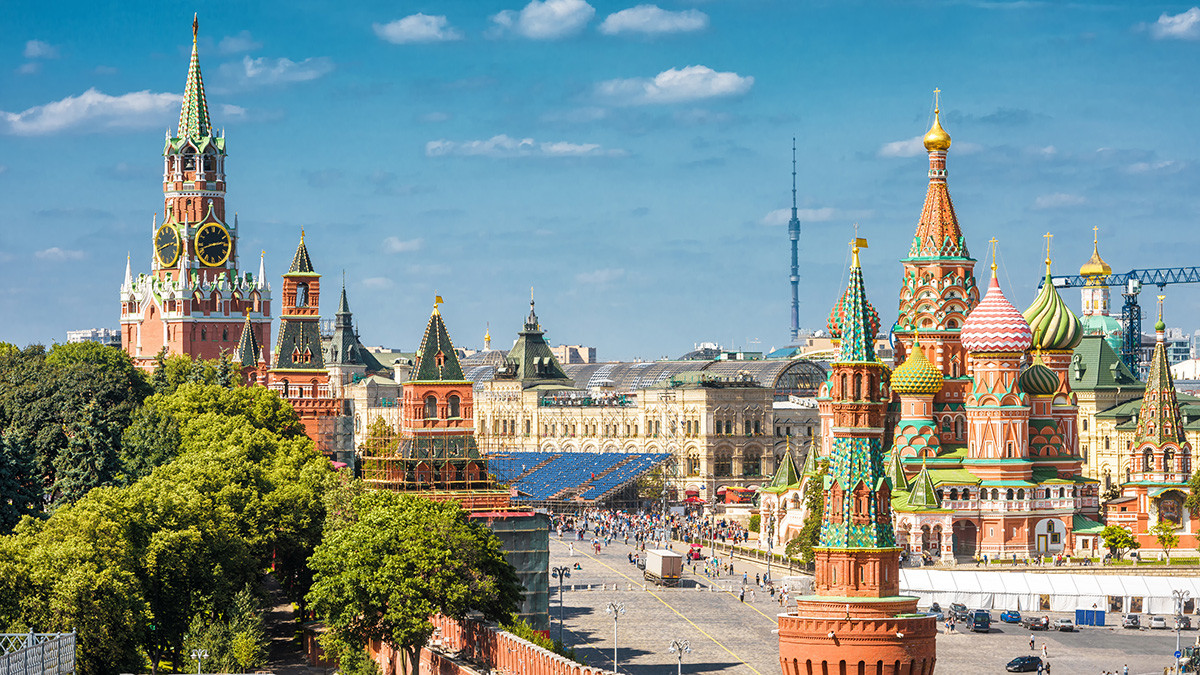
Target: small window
[(453, 402), (430, 407)]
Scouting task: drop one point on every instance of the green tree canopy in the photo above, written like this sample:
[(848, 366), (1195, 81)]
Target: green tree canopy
[(1117, 539), (402, 560)]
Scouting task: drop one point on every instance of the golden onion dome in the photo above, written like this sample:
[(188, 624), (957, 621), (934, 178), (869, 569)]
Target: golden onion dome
[(917, 375), (937, 139), (1095, 266)]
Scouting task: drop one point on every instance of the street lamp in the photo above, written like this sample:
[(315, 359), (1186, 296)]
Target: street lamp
[(1181, 596), (560, 573), (770, 543), (615, 610), (679, 648), (199, 655)]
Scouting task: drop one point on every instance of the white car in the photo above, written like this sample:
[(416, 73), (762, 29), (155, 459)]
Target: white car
[(1158, 622), (1064, 625)]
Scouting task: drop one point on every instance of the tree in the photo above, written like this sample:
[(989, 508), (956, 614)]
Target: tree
[(152, 439), (1117, 539), (404, 559), (19, 483), (802, 544), (90, 458), (1193, 499), (1164, 532)]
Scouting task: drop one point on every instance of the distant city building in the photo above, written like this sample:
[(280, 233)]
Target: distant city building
[(1178, 348), (105, 336), (574, 354)]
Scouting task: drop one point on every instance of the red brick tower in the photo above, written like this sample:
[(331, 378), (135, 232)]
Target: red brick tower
[(857, 621), (299, 373), (194, 300)]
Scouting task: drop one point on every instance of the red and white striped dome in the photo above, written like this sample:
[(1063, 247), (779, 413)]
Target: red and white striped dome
[(995, 325)]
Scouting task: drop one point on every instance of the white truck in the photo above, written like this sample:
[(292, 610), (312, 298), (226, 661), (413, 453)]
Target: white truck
[(664, 567)]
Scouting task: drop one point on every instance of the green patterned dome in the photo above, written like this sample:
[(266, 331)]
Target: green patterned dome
[(917, 375), (1038, 379), (1053, 325)]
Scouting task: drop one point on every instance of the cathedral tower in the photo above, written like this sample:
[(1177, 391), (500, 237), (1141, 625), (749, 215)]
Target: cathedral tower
[(196, 296), (1161, 452), (939, 289)]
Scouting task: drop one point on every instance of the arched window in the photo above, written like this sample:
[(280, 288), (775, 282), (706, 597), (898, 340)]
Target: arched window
[(453, 401), (1168, 460), (1008, 495), (858, 386), (842, 390), (954, 493), (1021, 493), (1148, 460), (959, 428), (995, 494), (966, 494), (430, 407), (302, 294)]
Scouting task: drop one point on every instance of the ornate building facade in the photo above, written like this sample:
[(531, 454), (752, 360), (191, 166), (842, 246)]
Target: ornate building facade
[(197, 299)]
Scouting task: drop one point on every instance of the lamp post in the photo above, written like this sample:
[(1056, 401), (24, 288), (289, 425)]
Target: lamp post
[(615, 610), (199, 655), (560, 573), (1181, 596), (770, 543), (679, 648)]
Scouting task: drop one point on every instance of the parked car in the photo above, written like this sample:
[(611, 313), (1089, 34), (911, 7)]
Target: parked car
[(959, 611), (1065, 625), (981, 621), (935, 607), (1011, 616), (1158, 622), (1132, 621), (1035, 622), (939, 615), (1182, 622), (1024, 664)]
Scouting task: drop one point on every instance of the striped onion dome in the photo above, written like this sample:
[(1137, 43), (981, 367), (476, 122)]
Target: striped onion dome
[(995, 325), (917, 375), (1054, 325), (1038, 379), (837, 316)]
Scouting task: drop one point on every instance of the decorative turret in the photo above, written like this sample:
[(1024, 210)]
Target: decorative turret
[(436, 359), (1095, 268), (248, 353), (916, 382), (917, 375), (1158, 420), (299, 344), (1057, 328), (895, 472), (923, 494), (1038, 379), (995, 325), (530, 360)]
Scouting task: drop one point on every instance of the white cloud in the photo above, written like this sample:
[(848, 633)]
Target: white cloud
[(378, 283), (398, 245), (1164, 166), (1182, 26), (30, 68), (651, 19), (56, 254), (506, 146), (782, 216), (36, 49), (1058, 200), (545, 19), (236, 44), (434, 117), (269, 71), (598, 277), (674, 86), (95, 110), (417, 28), (907, 148), (228, 110)]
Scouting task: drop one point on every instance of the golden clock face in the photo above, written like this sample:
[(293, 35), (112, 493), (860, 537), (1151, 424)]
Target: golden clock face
[(213, 245), (167, 245)]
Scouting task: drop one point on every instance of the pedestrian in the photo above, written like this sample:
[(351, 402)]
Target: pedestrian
[(752, 596), (1039, 668), (1044, 650), (1031, 647), (571, 549), (757, 579), (742, 595), (745, 578)]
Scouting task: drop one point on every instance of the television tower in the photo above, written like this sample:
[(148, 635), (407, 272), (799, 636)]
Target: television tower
[(794, 235)]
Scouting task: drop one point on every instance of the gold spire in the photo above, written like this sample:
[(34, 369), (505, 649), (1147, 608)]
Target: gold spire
[(992, 241), (195, 26), (1047, 237), (437, 300), (857, 243), (1095, 266), (937, 140)]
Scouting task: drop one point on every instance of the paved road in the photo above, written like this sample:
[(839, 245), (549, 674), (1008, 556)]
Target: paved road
[(728, 636)]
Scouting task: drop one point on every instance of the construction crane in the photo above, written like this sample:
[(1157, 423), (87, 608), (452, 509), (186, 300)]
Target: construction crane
[(1131, 312)]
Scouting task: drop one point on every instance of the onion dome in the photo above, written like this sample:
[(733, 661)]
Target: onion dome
[(917, 375), (837, 314), (1095, 266), (995, 325), (1054, 326), (1038, 379), (937, 140)]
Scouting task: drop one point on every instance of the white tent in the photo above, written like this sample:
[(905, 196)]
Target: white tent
[(1034, 591)]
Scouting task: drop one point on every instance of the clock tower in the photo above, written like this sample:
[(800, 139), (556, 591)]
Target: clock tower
[(196, 300)]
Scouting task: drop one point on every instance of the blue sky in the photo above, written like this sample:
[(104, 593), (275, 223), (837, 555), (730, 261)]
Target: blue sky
[(627, 161)]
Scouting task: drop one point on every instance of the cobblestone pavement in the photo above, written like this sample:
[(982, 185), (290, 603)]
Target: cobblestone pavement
[(729, 636)]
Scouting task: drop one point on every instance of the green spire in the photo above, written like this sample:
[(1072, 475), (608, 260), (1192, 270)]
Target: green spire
[(811, 462), (785, 475), (436, 359), (193, 116), (1158, 420), (248, 349), (301, 264), (859, 320), (923, 494), (895, 472)]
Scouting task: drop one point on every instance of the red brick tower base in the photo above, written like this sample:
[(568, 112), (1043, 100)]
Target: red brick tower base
[(847, 636)]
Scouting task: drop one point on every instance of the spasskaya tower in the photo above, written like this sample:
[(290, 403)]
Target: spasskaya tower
[(196, 299)]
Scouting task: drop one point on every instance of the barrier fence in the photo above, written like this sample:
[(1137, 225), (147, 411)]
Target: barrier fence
[(37, 653)]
